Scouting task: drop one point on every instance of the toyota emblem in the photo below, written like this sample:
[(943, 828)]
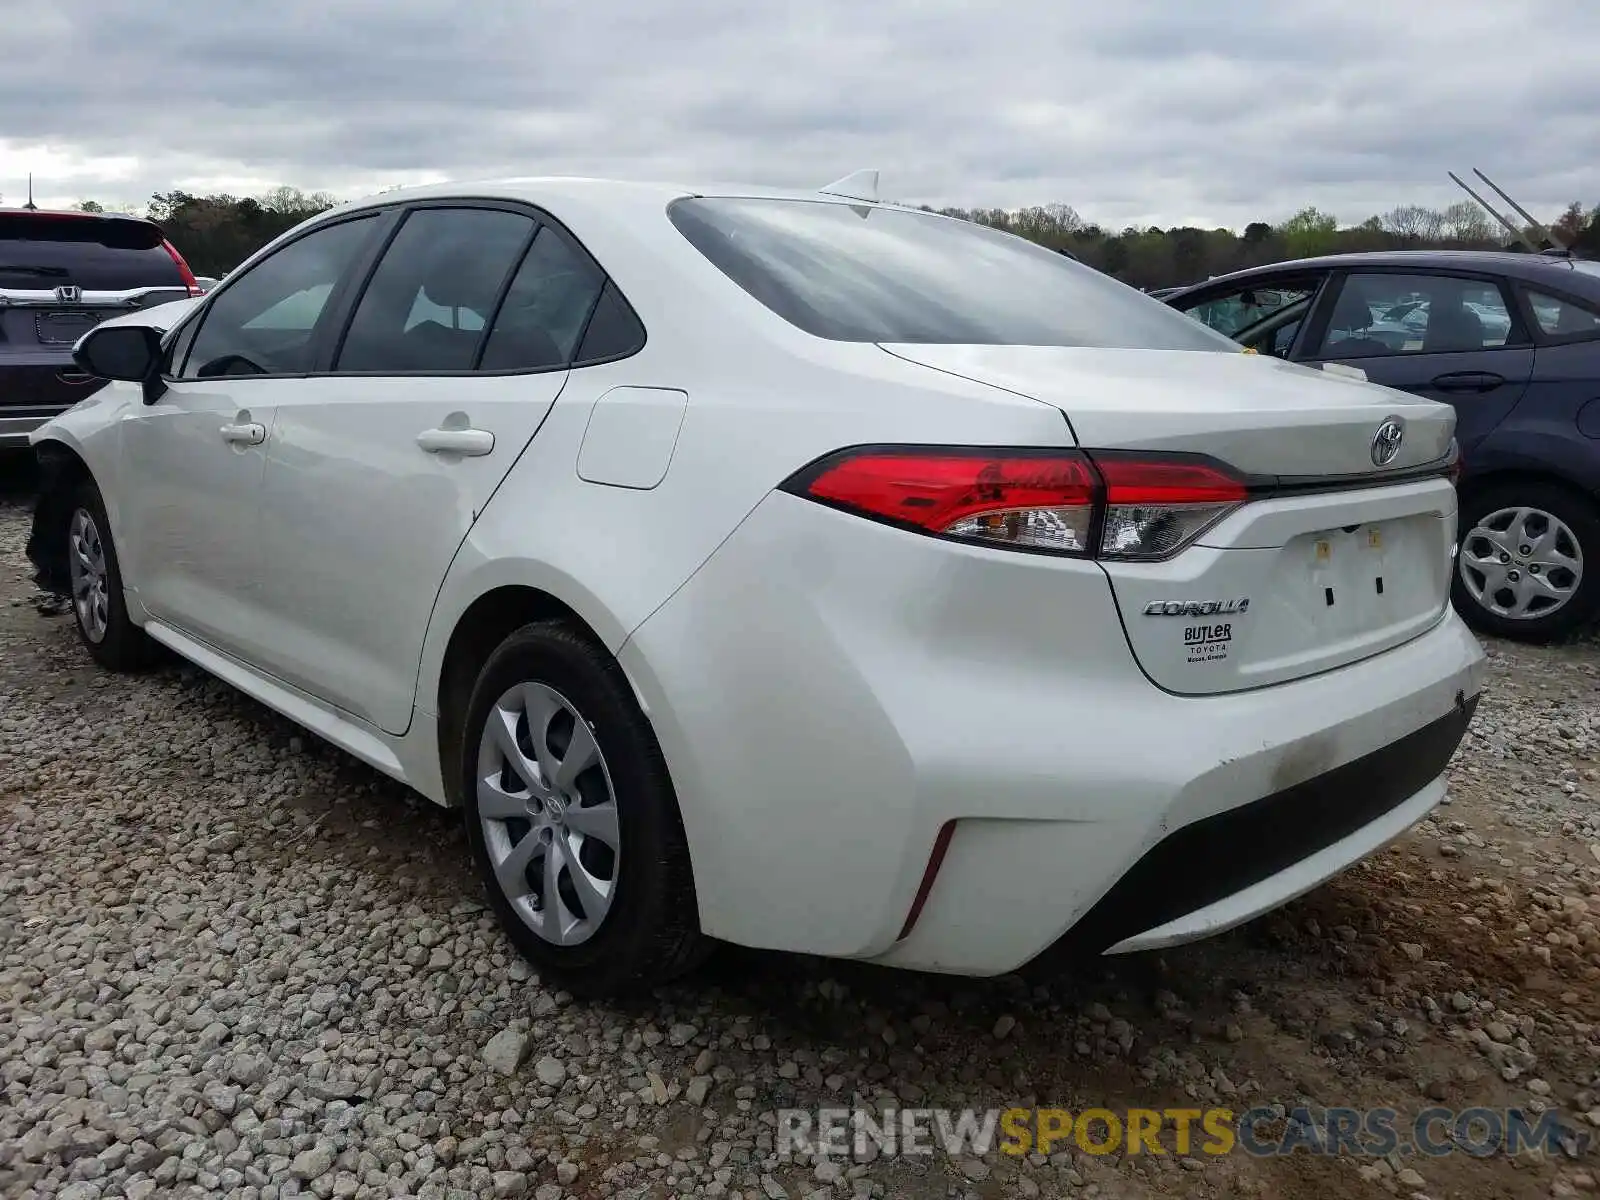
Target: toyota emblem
[(1386, 442)]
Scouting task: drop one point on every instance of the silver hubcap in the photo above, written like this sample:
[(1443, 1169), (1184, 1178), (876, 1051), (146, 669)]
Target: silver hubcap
[(86, 564), (548, 813), (1521, 563)]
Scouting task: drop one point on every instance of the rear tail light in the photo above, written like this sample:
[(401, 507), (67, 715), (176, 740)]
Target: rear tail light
[(1156, 507), (1106, 505), (184, 273)]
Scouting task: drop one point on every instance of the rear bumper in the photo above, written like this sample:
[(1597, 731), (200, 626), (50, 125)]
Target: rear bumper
[(1261, 807), (1220, 871), (831, 694)]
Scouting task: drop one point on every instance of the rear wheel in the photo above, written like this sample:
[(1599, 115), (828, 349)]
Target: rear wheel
[(572, 818), (98, 607), (1528, 561)]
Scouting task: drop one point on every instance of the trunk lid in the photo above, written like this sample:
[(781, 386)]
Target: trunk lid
[(1260, 415), (1326, 564)]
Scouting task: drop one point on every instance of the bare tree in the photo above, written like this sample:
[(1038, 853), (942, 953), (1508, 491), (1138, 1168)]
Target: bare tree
[(1414, 222), (1464, 221)]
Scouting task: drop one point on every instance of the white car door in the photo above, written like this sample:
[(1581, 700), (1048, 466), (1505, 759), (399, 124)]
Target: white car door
[(453, 355), (193, 460)]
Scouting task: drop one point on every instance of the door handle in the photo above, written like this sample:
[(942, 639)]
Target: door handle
[(471, 443), (249, 434), (1467, 381)]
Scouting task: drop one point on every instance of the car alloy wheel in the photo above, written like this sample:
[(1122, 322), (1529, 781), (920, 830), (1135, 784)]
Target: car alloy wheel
[(1521, 563), (548, 814), (86, 566)]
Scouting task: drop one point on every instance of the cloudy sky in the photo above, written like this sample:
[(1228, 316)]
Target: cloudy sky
[(1210, 112)]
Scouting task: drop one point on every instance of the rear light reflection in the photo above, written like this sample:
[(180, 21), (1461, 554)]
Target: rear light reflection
[(1106, 505)]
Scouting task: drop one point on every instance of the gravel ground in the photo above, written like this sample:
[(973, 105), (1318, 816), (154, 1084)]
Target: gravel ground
[(235, 962)]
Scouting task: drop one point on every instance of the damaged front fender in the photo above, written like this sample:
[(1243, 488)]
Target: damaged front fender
[(59, 473)]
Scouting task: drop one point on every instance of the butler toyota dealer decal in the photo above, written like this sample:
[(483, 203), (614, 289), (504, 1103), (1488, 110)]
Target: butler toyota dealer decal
[(1203, 642)]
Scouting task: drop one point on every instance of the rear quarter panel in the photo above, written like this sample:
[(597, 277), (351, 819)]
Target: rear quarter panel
[(614, 554), (1555, 429)]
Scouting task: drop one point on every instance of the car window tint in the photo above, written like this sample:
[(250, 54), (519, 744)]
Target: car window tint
[(856, 273), (1563, 318), (543, 314), (1382, 314), (614, 329), (263, 322), (426, 305), (1238, 309)]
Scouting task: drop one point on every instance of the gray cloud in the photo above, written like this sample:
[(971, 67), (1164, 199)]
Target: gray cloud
[(1136, 111)]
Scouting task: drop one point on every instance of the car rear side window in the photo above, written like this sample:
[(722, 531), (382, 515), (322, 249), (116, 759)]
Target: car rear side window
[(43, 251), (264, 322), (1381, 313), (1562, 318), (434, 291), (857, 273), (614, 330), (543, 316)]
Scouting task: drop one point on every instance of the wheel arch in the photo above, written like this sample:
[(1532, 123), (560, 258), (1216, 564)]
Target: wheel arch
[(61, 470), (1475, 485), (481, 625)]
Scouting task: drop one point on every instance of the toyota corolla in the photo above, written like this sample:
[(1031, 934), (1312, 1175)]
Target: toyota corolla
[(788, 569)]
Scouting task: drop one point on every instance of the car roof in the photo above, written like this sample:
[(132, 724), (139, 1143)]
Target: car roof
[(616, 194), (1501, 262)]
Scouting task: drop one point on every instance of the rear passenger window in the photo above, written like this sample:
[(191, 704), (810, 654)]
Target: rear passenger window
[(1563, 318), (1382, 314), (433, 291), (543, 313), (614, 331)]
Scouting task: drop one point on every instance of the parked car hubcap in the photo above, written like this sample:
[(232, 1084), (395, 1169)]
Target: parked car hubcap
[(87, 567), (1521, 563), (548, 813)]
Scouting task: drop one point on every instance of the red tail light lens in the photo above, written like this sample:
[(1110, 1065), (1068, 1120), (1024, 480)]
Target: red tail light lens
[(184, 273), (1109, 504), (1012, 498)]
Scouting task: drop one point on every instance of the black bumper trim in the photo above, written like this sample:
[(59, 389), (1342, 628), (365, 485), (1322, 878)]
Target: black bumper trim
[(1223, 854)]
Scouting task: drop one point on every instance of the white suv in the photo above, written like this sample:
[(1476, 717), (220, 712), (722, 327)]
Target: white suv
[(789, 569)]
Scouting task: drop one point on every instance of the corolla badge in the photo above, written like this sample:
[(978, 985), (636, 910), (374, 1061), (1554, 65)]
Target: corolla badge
[(1197, 608), (1386, 442)]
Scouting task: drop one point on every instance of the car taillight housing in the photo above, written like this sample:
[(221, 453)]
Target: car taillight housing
[(1095, 504), (184, 273)]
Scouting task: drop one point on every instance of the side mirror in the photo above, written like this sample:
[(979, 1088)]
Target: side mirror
[(127, 352)]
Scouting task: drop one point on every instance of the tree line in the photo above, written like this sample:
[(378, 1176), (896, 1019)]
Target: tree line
[(217, 232), (1153, 257)]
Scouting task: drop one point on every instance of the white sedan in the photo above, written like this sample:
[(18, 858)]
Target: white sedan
[(788, 569)]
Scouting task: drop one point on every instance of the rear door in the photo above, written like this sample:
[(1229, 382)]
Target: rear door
[(60, 275), (458, 346), (1457, 338)]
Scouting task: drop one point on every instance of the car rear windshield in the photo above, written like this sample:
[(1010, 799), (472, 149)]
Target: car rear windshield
[(40, 251), (854, 273)]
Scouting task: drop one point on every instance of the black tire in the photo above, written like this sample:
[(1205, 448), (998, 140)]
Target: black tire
[(120, 645), (650, 933), (1574, 510)]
